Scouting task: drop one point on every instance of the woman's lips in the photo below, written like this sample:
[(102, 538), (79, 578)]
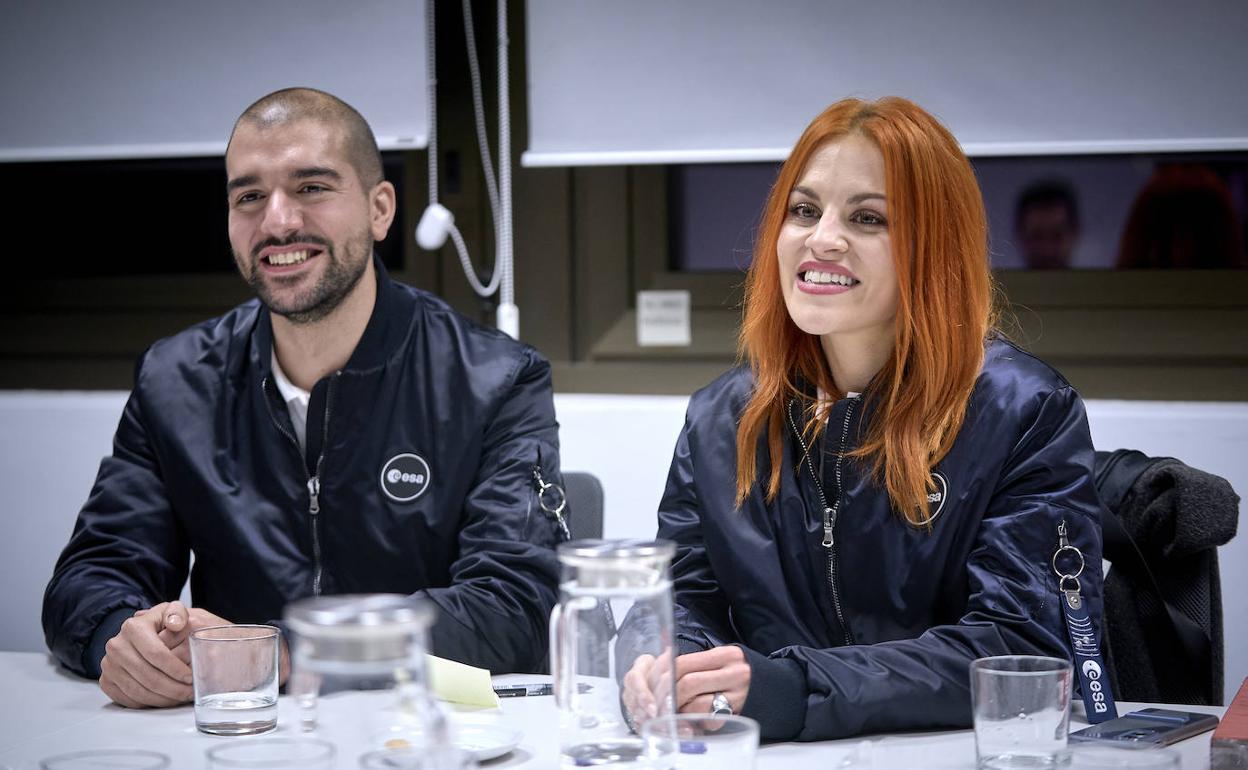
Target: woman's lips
[(816, 278)]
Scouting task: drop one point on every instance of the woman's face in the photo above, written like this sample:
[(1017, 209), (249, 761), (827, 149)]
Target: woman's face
[(836, 264)]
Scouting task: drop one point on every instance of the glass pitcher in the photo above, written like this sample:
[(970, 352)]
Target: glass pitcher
[(614, 616), (358, 669)]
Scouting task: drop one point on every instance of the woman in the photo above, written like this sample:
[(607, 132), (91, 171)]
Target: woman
[(873, 502)]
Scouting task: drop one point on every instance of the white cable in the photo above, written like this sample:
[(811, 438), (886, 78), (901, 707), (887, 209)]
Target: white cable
[(478, 107), (470, 273), (437, 223), (508, 314), (431, 91)]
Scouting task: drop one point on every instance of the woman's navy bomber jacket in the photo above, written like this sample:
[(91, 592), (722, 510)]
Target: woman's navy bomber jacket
[(205, 459), (876, 631)]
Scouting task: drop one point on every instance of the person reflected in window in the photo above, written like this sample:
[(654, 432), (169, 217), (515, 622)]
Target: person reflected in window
[(1183, 218), (1046, 225), (871, 500)]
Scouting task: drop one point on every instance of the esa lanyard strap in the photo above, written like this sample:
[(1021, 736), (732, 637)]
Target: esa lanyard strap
[(1098, 699)]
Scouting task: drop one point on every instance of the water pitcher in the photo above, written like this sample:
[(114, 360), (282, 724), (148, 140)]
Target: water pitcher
[(372, 645), (614, 616)]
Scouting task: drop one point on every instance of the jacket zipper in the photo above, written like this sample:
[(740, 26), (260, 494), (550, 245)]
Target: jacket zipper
[(314, 489), (829, 511), (313, 480)]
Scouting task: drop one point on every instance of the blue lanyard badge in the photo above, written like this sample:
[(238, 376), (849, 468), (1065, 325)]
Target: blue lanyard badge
[(1098, 700)]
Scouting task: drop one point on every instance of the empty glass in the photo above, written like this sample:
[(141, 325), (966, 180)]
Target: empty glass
[(1021, 708), (273, 753), (234, 671), (614, 616), (114, 759), (697, 741)]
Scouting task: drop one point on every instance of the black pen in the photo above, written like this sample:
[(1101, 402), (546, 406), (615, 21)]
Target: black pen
[(528, 690)]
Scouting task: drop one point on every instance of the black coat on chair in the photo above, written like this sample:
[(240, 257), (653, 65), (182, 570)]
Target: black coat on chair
[(1163, 595)]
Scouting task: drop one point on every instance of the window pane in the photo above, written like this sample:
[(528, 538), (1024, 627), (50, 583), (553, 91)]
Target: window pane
[(132, 217), (1191, 211)]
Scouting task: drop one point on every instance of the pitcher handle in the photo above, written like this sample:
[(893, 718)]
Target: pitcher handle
[(562, 666)]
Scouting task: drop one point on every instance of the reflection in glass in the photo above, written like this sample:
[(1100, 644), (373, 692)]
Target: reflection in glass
[(1044, 212)]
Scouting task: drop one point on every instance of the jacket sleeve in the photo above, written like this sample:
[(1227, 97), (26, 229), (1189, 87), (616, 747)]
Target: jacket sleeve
[(701, 609), (127, 551), (495, 614), (1011, 607)]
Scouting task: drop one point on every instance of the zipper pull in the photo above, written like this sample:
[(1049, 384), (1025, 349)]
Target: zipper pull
[(827, 528), (314, 493)]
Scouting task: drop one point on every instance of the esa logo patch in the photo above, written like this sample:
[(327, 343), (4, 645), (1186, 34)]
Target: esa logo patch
[(936, 500), (405, 477)]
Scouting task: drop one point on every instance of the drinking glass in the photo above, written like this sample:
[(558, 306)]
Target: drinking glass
[(700, 742), (1107, 756), (114, 759), (273, 754), (1021, 706), (234, 671)]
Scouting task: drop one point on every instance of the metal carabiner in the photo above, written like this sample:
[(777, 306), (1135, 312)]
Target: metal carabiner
[(549, 489), (1063, 545)]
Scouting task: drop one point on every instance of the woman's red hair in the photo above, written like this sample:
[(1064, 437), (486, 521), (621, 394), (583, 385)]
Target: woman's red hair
[(939, 238)]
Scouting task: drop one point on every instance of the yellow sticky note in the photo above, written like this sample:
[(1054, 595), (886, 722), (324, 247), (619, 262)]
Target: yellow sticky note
[(460, 683)]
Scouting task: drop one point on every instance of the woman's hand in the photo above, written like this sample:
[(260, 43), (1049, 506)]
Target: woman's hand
[(648, 676), (700, 675)]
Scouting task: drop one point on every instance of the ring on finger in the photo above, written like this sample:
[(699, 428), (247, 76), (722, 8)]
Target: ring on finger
[(720, 705)]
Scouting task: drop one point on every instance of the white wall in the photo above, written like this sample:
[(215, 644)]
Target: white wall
[(52, 443)]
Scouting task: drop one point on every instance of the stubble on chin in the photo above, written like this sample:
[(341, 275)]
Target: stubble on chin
[(337, 279)]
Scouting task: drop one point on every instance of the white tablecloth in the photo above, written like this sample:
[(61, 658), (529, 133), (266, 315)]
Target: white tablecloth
[(45, 711)]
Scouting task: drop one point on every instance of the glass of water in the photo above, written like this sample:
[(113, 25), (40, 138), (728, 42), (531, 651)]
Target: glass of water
[(1021, 708), (234, 671), (700, 741)]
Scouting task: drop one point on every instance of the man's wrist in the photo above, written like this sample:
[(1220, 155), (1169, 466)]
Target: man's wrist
[(109, 627)]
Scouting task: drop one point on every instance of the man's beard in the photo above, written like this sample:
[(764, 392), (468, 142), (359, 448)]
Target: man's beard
[(338, 278)]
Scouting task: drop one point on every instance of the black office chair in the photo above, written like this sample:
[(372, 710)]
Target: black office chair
[(584, 495), (1163, 595)]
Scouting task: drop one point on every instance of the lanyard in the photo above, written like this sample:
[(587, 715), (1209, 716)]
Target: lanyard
[(1098, 700)]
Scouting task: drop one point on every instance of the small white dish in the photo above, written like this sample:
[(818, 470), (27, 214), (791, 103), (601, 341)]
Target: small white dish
[(486, 742)]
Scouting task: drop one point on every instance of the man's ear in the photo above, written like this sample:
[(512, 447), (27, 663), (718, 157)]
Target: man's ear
[(381, 203)]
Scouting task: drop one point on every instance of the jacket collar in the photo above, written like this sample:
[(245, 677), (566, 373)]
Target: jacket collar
[(388, 327)]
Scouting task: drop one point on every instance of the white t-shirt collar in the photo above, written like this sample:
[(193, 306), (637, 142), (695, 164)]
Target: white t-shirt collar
[(296, 399)]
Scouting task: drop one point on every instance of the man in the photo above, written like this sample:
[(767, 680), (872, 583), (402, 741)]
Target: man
[(341, 434), (1046, 225)]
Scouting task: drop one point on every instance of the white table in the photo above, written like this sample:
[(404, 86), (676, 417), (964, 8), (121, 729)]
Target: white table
[(45, 711)]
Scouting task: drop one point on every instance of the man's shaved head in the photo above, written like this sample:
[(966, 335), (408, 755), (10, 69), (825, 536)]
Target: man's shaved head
[(295, 104)]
